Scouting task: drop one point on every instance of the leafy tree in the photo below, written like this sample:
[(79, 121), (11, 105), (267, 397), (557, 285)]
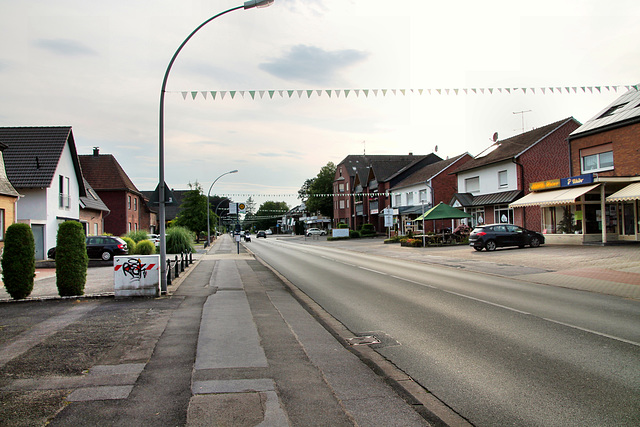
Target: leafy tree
[(318, 191), (71, 259), (193, 211), (269, 213), (18, 261)]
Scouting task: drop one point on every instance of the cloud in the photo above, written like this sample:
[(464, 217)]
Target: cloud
[(287, 153), (310, 64), (64, 47)]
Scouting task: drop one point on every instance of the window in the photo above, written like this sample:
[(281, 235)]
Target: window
[(95, 228), (135, 204), (64, 188), (502, 214), (612, 110), (409, 199), (129, 206), (1, 225), (597, 162), (398, 201), (472, 185), (341, 188), (423, 195), (503, 181), (341, 204)]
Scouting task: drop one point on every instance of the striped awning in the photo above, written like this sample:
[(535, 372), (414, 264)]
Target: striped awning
[(562, 196), (630, 192)]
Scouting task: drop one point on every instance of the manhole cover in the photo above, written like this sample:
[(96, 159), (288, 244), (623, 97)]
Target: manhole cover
[(364, 340)]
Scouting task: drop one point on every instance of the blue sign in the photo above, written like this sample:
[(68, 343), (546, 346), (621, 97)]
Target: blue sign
[(577, 180)]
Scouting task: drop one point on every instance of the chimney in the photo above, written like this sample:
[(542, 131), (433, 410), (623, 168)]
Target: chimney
[(96, 151)]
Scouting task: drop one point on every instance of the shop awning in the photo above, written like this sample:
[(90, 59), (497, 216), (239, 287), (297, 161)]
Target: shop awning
[(630, 192), (562, 196)]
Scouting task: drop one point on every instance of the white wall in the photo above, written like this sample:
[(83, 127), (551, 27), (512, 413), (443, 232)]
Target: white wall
[(415, 189), (489, 178)]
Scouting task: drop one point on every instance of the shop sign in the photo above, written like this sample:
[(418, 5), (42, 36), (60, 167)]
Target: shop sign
[(544, 185), (577, 180)]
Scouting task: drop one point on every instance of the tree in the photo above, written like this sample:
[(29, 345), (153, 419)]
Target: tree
[(71, 259), (269, 213), (18, 261), (319, 191), (193, 211)]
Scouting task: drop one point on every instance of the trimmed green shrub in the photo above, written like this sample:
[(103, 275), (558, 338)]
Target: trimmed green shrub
[(19, 261), (145, 247), (137, 236), (343, 225), (367, 230), (131, 244), (354, 234), (71, 259), (179, 240)]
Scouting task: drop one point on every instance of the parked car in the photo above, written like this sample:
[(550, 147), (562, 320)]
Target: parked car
[(268, 231), (261, 233), (315, 231), (155, 238), (494, 236), (101, 247)]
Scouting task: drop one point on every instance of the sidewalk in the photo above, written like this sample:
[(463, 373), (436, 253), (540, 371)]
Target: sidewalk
[(230, 346)]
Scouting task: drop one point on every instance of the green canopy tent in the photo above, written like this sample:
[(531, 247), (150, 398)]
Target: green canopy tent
[(442, 211)]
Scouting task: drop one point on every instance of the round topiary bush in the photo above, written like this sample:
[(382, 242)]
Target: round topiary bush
[(137, 236), (19, 261), (179, 240), (131, 244), (145, 247), (71, 259)]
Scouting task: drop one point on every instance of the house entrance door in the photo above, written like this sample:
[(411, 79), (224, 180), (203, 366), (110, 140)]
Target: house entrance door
[(38, 238)]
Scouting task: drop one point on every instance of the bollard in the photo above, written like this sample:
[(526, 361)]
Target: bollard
[(181, 261), (168, 272), (190, 257), (177, 267)]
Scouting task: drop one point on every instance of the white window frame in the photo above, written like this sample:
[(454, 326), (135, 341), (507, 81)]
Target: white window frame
[(472, 185), (503, 179), (598, 165)]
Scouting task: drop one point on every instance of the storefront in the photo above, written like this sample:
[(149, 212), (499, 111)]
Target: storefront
[(586, 209)]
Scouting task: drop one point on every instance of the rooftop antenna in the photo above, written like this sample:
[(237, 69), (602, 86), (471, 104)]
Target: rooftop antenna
[(522, 114), (364, 148)]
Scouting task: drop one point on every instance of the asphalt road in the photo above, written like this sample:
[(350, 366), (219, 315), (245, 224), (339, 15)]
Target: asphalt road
[(499, 351)]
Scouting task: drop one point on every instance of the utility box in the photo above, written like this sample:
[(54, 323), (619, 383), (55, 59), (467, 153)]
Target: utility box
[(137, 276)]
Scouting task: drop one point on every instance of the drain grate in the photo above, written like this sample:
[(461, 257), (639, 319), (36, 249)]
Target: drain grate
[(364, 340)]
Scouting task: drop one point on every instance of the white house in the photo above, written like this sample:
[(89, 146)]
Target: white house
[(42, 164)]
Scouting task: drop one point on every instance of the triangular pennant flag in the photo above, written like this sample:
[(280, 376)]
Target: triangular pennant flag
[(222, 94), (281, 92), (253, 94), (241, 92), (357, 91), (490, 90), (542, 89), (375, 92), (466, 91), (635, 87), (300, 92), (346, 92), (524, 90), (551, 90), (447, 91), (337, 91), (402, 91), (456, 91), (328, 92), (429, 91), (474, 90), (290, 92), (626, 87), (533, 90), (204, 94), (194, 94), (439, 91), (271, 92), (482, 91), (394, 91), (309, 92), (500, 89), (598, 87), (232, 93), (575, 89), (590, 89), (213, 94), (384, 92), (615, 89), (420, 91), (184, 95), (261, 93), (319, 92), (366, 92), (507, 89)]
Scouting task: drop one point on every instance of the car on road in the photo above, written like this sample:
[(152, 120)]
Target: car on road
[(261, 233), (101, 247), (155, 238), (494, 236), (315, 231), (268, 231)]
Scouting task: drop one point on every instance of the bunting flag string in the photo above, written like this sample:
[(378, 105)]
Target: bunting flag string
[(366, 93), (246, 195)]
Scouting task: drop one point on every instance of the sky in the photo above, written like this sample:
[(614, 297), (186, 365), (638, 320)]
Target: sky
[(416, 74)]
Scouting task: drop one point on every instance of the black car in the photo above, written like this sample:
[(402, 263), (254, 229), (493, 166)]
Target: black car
[(261, 233), (494, 236), (101, 247)]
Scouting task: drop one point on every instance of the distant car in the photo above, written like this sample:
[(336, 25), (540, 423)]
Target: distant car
[(155, 238), (268, 231), (101, 247), (261, 233), (494, 236), (315, 231), (247, 236)]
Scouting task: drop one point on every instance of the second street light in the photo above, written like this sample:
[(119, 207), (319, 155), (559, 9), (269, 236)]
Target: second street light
[(208, 193), (161, 184)]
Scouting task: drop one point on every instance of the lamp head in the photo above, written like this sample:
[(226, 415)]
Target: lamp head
[(233, 171), (257, 3)]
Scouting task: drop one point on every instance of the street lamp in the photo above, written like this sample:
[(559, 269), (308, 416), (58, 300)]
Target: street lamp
[(209, 192), (161, 185), (426, 183)]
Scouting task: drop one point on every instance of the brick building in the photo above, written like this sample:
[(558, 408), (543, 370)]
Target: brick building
[(488, 184), (597, 201)]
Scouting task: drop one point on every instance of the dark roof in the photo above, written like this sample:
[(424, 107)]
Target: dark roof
[(104, 173), (33, 153), (501, 198), (92, 200), (515, 146), (428, 172), (623, 111), (384, 167), (172, 209)]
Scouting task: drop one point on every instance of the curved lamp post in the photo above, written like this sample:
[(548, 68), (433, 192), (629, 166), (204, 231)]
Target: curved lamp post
[(161, 185), (208, 193)]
